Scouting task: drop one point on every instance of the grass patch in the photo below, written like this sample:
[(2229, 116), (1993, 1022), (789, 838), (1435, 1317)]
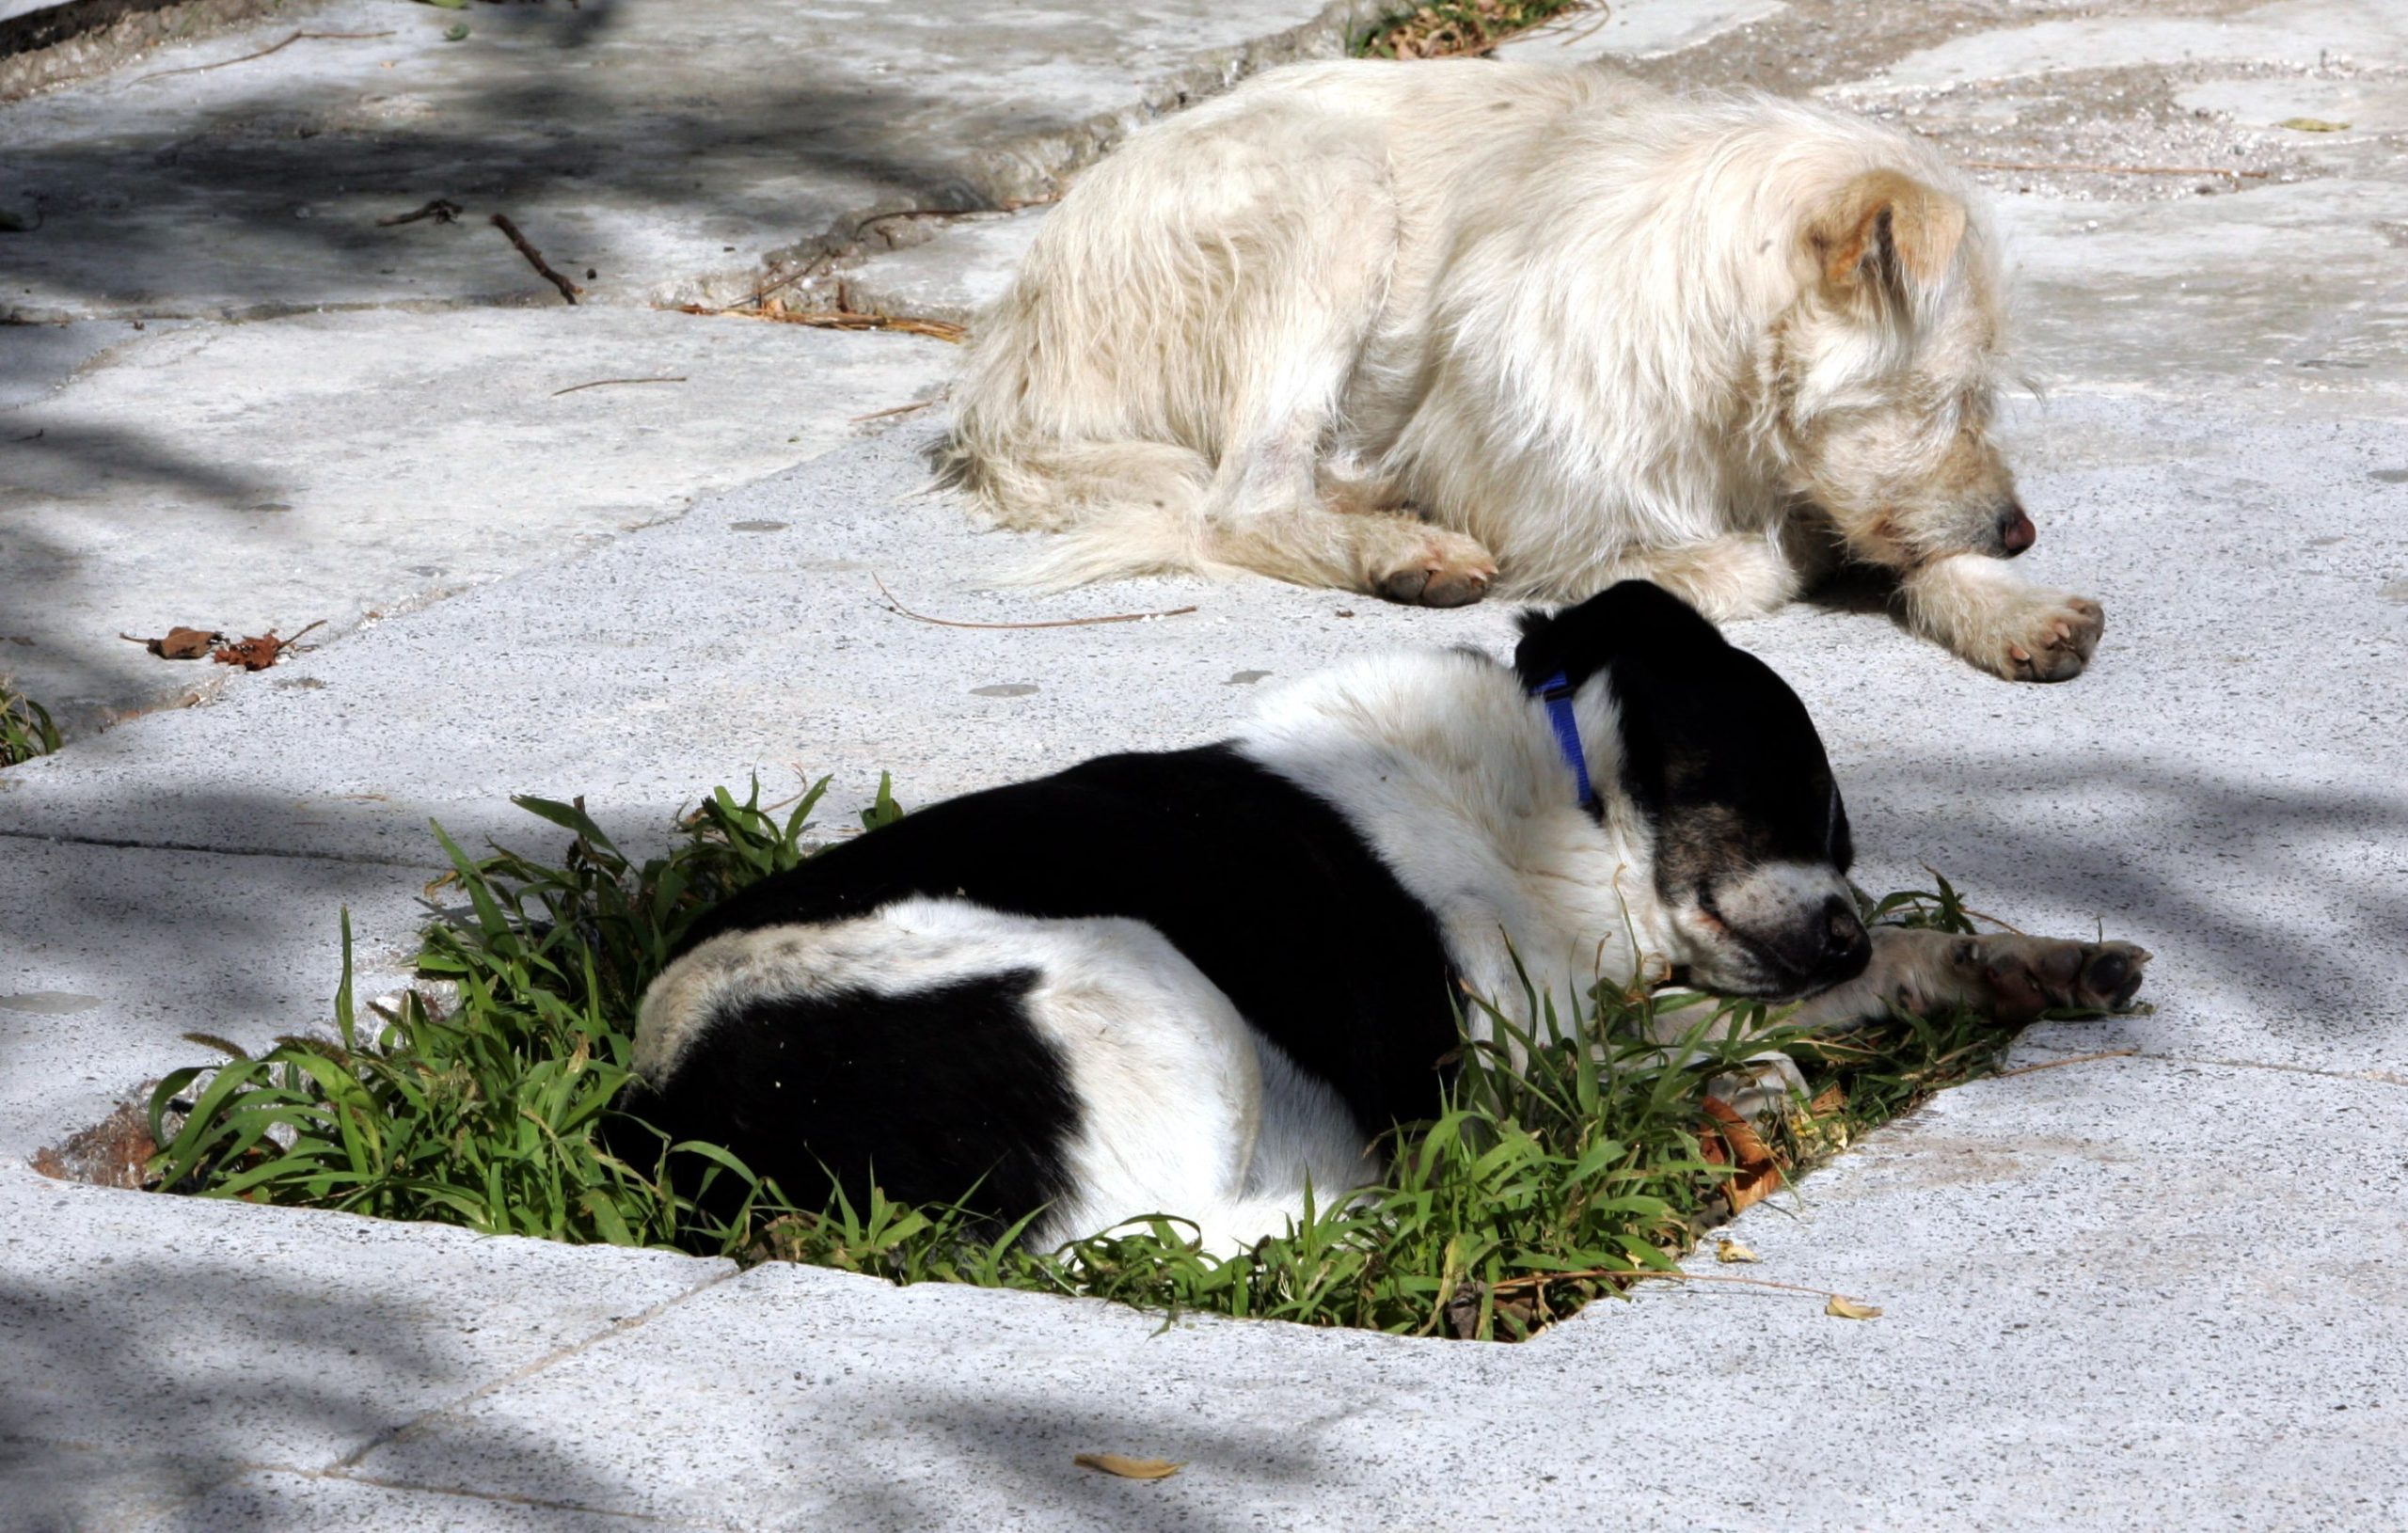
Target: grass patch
[(1460, 28), (1530, 1192), (25, 729)]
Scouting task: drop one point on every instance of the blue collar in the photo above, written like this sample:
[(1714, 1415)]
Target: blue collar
[(1556, 693)]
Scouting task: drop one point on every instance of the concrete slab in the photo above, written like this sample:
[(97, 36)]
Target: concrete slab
[(268, 1501), (115, 953), (669, 149), (1996, 1227), (2296, 33), (954, 273), (343, 466), (2106, 286), (199, 1338), (1636, 29)]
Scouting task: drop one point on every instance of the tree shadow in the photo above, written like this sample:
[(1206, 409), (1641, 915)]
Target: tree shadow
[(170, 1346)]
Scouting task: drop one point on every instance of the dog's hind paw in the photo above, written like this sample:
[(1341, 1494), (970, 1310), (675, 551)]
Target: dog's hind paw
[(1448, 570), (2024, 976)]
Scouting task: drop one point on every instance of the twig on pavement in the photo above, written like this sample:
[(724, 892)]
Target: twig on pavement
[(601, 382), (1052, 623), (297, 37), (535, 258)]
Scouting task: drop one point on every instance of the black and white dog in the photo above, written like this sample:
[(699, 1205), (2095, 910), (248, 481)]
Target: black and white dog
[(1193, 982)]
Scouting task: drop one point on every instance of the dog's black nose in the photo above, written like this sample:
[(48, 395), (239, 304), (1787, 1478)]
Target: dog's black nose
[(1846, 948), (2015, 529)]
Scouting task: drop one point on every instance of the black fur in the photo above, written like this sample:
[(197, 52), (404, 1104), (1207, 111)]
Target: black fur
[(923, 1092), (1265, 888), (1709, 731)]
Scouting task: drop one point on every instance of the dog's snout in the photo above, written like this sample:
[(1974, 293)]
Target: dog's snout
[(2015, 529), (1846, 947)]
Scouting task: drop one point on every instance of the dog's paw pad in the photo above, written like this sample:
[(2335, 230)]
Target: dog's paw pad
[(1453, 574), (2028, 975), (2053, 639)]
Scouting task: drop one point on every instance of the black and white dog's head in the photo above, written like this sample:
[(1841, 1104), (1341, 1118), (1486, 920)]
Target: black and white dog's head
[(1752, 845)]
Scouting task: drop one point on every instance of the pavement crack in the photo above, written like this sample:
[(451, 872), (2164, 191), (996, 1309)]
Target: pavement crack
[(533, 1503), (215, 849), (391, 1436)]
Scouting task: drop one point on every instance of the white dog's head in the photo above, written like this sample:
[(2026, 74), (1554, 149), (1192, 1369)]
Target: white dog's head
[(1882, 376)]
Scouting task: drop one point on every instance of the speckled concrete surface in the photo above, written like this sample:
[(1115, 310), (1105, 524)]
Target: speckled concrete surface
[(234, 395), (2149, 1292)]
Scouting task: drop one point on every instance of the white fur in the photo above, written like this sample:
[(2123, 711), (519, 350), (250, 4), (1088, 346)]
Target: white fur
[(1183, 1109), (1407, 328)]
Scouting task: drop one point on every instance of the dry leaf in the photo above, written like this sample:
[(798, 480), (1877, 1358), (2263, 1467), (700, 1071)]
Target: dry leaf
[(2312, 125), (1730, 1250), (178, 643), (260, 651), (1127, 1468), (253, 654), (1759, 1173), (1828, 1100), (1848, 1309)]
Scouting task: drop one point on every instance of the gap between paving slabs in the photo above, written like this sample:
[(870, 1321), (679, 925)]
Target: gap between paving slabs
[(1589, 1169)]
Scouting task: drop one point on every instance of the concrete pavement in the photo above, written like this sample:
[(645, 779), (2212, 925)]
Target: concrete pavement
[(2162, 1290)]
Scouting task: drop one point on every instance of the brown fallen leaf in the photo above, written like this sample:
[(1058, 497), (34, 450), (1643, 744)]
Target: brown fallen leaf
[(1730, 1250), (1128, 1468), (1848, 1309), (178, 644), (1758, 1172), (260, 650)]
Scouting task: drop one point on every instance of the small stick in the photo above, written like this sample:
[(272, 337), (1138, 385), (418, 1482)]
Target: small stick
[(601, 382), (1541, 1279), (2071, 1059), (839, 319), (1055, 623), (297, 37), (893, 409), (2123, 169), (535, 258), (442, 210)]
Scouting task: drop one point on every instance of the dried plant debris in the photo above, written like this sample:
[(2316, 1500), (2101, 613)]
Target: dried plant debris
[(255, 653), (180, 643), (1462, 28), (1733, 1141), (1128, 1468)]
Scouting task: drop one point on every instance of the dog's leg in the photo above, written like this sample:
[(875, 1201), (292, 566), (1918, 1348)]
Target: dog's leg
[(1741, 575), (1975, 605), (2010, 978), (1276, 509)]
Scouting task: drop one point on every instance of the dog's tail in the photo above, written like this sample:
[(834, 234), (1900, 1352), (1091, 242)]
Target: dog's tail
[(1122, 508)]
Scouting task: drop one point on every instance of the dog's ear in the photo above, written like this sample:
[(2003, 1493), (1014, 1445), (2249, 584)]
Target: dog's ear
[(1634, 620), (1888, 228)]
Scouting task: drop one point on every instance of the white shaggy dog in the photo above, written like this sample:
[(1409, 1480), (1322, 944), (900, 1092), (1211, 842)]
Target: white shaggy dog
[(1413, 329)]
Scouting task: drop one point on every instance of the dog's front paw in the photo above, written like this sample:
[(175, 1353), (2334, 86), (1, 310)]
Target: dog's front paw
[(2041, 636), (1441, 569), (2024, 976)]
